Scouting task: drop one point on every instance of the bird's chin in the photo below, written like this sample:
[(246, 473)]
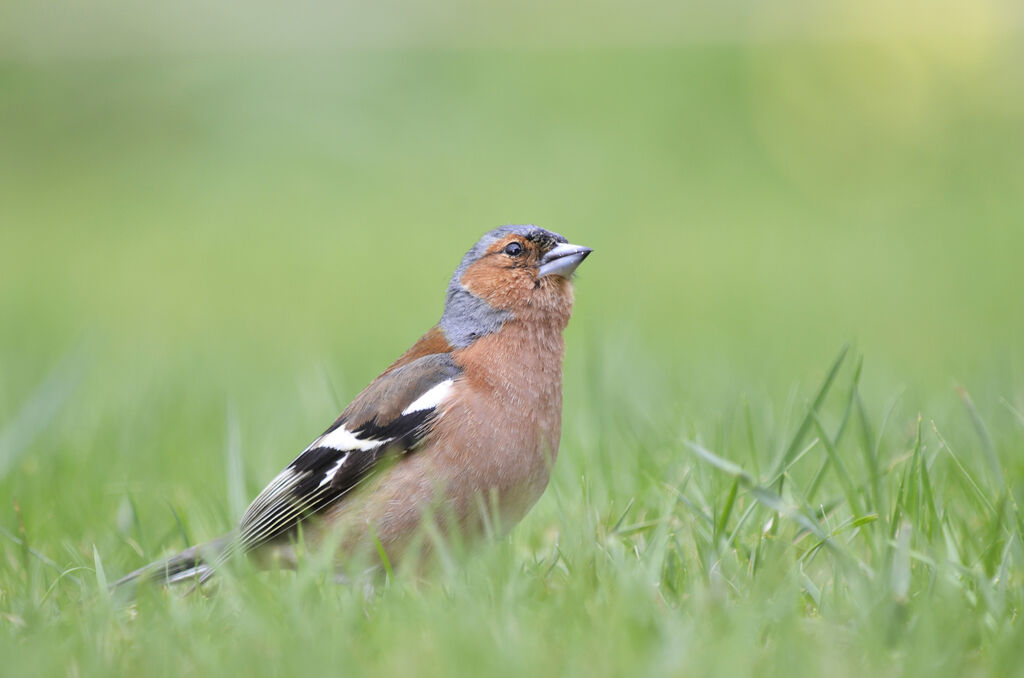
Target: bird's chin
[(551, 300)]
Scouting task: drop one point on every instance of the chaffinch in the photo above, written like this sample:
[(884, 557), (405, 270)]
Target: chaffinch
[(464, 425)]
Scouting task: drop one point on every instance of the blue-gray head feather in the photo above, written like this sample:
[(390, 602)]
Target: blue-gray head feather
[(466, 316)]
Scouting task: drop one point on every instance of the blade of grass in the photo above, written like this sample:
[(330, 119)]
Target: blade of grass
[(730, 500), (926, 490), (842, 474), (385, 561), (31, 551), (1018, 415), (864, 520), (618, 523), (775, 502), (877, 486), (898, 505), (914, 498), (963, 471), (137, 524), (805, 423), (843, 421), (697, 511), (748, 420), (867, 449), (987, 446), (742, 477), (819, 476), (101, 575), (641, 526), (721, 464), (740, 523), (181, 526), (810, 446)]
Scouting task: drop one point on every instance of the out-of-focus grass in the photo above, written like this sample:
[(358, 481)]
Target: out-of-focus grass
[(213, 250)]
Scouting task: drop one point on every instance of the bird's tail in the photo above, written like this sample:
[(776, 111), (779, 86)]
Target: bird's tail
[(194, 565)]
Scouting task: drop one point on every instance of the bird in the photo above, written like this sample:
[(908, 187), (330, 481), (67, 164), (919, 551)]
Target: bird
[(462, 430)]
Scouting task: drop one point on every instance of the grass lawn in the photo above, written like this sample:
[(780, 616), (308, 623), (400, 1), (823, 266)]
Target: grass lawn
[(793, 437)]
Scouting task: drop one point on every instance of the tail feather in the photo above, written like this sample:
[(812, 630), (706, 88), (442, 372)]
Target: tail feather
[(194, 565)]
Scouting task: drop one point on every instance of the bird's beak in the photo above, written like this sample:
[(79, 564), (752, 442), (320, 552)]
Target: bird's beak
[(563, 260)]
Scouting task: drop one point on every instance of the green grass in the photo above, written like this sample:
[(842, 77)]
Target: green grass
[(204, 253), (841, 536)]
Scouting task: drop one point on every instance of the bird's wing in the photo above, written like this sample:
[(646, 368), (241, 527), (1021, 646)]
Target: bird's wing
[(392, 416)]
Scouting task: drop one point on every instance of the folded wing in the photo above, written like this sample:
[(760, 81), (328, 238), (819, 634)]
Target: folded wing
[(391, 417)]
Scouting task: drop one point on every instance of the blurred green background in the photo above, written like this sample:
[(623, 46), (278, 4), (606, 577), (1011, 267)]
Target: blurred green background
[(270, 185), (217, 223)]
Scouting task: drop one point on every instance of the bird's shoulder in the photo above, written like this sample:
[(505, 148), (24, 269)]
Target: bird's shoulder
[(392, 402)]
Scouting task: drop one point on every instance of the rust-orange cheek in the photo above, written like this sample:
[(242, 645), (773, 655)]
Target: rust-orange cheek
[(489, 281)]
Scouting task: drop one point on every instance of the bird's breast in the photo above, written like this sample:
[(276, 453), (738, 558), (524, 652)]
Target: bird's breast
[(499, 446), (490, 450)]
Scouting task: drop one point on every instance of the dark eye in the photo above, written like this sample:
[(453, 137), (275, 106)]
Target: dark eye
[(513, 249)]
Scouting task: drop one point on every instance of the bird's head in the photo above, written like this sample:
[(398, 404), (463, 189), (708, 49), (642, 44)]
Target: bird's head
[(521, 272)]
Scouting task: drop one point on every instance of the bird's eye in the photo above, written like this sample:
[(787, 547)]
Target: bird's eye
[(513, 249)]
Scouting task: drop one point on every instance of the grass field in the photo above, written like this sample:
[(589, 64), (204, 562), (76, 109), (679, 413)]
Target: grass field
[(793, 436)]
